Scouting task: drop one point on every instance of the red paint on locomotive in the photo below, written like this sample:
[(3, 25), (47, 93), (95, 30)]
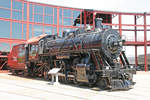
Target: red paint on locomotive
[(16, 58)]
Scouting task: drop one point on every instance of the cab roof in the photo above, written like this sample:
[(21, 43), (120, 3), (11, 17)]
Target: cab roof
[(35, 40)]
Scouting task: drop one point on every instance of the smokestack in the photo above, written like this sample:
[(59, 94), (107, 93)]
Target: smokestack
[(98, 23)]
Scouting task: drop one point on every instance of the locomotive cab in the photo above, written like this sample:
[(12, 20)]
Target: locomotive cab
[(32, 47)]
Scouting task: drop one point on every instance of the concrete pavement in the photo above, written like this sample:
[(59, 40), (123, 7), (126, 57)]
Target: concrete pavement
[(21, 88)]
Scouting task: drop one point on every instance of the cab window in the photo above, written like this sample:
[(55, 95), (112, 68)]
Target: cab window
[(33, 50)]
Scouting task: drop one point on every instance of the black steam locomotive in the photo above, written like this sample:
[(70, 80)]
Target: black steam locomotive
[(94, 57)]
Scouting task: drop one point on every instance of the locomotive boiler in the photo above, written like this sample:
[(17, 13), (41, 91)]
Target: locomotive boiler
[(85, 56)]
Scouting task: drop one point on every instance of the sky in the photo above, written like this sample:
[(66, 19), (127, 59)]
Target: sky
[(110, 5)]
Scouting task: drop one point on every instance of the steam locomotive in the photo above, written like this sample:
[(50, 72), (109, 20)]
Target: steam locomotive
[(85, 56)]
